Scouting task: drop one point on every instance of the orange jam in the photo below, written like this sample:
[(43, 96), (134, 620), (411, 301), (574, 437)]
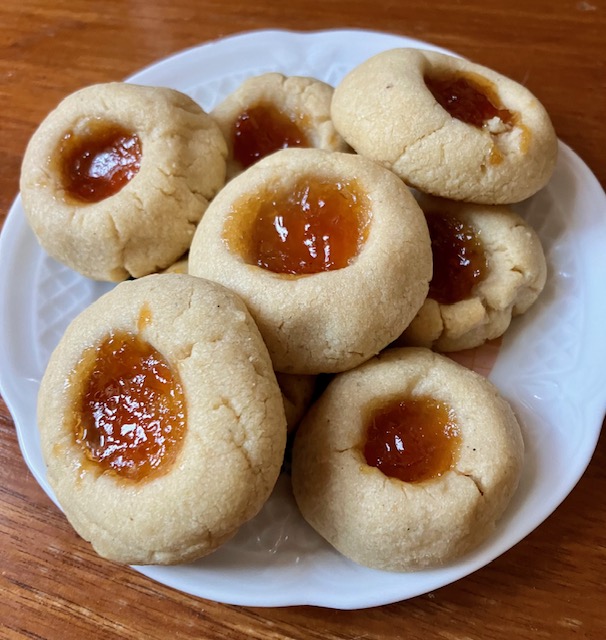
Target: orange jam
[(412, 440), (459, 261), (470, 98), (131, 417), (316, 225), (261, 130), (99, 162)]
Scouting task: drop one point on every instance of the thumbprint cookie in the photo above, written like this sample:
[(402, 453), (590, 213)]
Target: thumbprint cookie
[(161, 420), (271, 111), (329, 251), (447, 126), (488, 266), (116, 178), (407, 461)]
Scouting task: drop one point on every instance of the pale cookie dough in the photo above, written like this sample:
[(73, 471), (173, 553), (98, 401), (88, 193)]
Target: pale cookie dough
[(385, 111), (303, 101), (333, 320), (150, 221), (385, 523), (235, 432), (297, 393), (515, 276)]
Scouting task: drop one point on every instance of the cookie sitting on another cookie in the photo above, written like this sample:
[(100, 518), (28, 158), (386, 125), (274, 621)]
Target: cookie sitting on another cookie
[(329, 251), (447, 126)]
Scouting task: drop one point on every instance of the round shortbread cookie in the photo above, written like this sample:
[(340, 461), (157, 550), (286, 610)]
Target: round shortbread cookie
[(116, 178), (272, 111), (218, 456), (503, 152), (328, 320), (384, 522), (513, 274)]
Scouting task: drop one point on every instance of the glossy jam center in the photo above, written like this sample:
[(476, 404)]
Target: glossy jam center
[(317, 225), (132, 416), (262, 130), (99, 162), (472, 99), (459, 260), (412, 440)]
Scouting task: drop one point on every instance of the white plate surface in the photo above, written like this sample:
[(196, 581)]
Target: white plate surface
[(550, 367)]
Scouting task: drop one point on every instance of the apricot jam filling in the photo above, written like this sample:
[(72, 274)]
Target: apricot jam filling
[(131, 417), (412, 440), (313, 226), (98, 161), (470, 98), (459, 259), (263, 129)]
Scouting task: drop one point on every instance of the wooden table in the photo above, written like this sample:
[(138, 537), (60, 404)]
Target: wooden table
[(52, 585)]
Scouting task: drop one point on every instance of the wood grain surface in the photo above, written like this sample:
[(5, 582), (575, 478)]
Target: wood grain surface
[(52, 586)]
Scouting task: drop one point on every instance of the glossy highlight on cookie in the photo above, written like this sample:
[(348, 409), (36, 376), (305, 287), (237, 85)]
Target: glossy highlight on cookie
[(131, 419)]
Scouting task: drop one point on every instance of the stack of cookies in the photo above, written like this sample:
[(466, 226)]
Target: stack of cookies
[(295, 231)]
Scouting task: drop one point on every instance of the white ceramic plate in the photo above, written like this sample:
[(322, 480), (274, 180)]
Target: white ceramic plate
[(550, 367)]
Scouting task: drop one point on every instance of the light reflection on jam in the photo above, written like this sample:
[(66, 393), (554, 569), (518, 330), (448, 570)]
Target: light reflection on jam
[(412, 440), (316, 225), (99, 162), (261, 130), (131, 419), (459, 260)]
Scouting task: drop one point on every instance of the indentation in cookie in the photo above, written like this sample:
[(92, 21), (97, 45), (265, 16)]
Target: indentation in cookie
[(131, 415), (314, 225), (262, 129), (412, 439), (98, 160)]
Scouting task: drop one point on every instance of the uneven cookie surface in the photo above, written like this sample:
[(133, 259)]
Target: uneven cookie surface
[(227, 441), (489, 266), (116, 178), (271, 111), (384, 522), (329, 251), (447, 126)]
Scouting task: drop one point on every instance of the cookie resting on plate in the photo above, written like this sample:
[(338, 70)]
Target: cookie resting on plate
[(161, 421), (407, 461), (117, 176)]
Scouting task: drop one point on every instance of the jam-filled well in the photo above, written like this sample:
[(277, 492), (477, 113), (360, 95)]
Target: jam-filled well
[(314, 225), (459, 259), (131, 417), (263, 129), (412, 440), (98, 160), (468, 97)]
